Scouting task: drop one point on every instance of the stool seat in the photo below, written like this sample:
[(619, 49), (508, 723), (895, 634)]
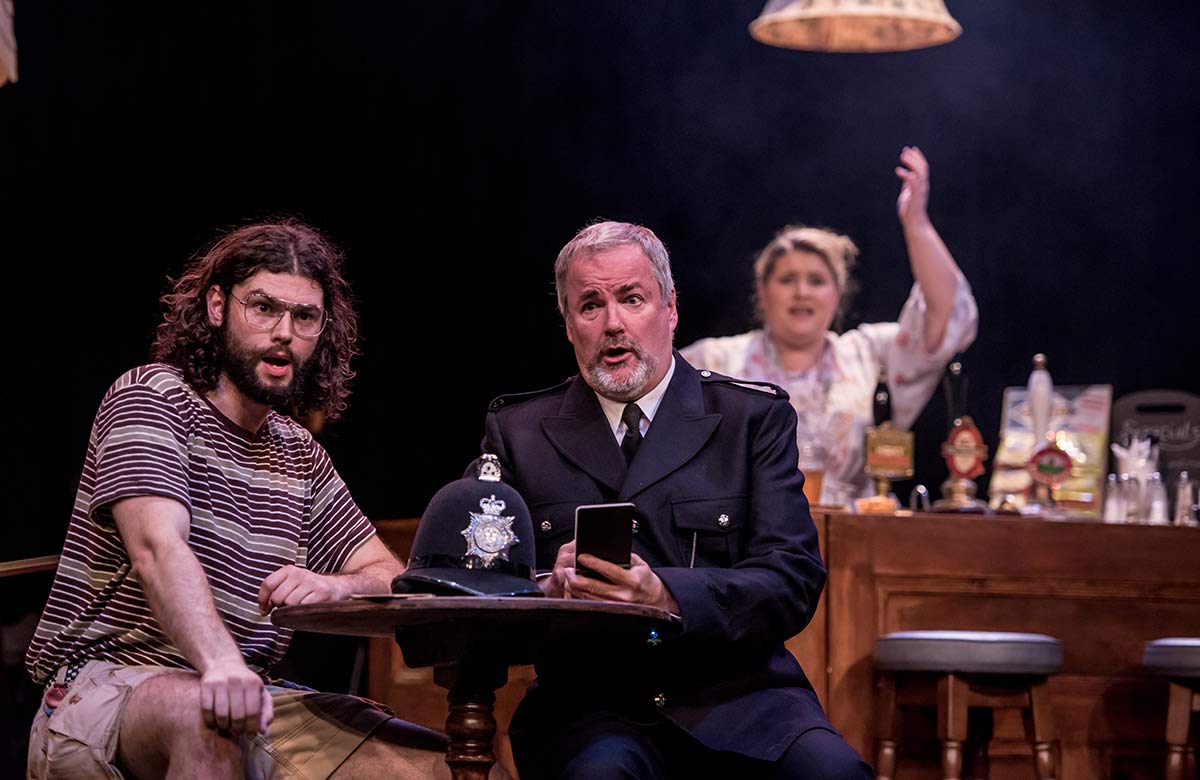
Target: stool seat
[(969, 652), (966, 676), (1173, 656)]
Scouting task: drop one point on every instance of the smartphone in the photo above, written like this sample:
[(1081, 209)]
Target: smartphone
[(605, 531)]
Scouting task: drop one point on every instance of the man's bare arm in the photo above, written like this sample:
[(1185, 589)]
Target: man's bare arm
[(155, 531), (370, 569)]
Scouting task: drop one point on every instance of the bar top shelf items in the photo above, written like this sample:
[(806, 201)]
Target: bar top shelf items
[(1155, 457), (963, 449), (889, 454), (1053, 448)]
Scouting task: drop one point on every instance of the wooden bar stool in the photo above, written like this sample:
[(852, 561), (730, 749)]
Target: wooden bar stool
[(1178, 659), (966, 675)]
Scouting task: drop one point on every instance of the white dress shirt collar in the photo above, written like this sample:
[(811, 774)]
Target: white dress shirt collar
[(648, 403)]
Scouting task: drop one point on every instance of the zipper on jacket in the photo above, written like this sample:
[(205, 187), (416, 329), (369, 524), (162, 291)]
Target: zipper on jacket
[(692, 562)]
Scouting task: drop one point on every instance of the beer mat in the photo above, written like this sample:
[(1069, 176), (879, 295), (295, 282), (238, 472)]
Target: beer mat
[(390, 596)]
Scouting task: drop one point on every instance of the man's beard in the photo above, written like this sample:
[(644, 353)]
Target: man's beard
[(241, 363), (631, 387)]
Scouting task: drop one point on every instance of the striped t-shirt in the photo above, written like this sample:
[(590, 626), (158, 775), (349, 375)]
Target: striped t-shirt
[(258, 501)]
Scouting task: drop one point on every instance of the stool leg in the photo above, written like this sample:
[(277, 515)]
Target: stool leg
[(1179, 716), (1039, 730), (885, 727), (1193, 737), (952, 724), (1193, 743), (979, 734)]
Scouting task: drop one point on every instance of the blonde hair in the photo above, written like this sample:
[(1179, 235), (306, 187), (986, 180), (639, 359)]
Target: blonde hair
[(838, 251)]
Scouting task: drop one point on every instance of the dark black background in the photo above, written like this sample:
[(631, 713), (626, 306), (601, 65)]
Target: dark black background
[(452, 148)]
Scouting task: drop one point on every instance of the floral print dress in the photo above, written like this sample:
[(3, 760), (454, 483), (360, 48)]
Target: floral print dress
[(833, 399)]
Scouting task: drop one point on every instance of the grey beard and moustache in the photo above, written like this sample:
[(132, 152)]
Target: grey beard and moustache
[(632, 387), (240, 364)]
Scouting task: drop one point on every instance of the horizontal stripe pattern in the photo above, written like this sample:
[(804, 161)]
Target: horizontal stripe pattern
[(257, 502)]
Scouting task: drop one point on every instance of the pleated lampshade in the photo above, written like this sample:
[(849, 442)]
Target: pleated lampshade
[(854, 25)]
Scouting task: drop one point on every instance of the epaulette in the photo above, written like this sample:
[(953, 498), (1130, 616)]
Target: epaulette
[(758, 387), (515, 398)]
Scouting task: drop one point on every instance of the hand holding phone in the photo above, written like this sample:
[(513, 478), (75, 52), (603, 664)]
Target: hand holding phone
[(605, 531)]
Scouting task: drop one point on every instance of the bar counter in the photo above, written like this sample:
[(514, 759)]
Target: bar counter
[(1102, 589)]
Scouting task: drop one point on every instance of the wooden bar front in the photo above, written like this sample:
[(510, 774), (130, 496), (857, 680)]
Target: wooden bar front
[(1104, 590)]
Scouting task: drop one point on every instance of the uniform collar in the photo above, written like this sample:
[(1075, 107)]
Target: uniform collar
[(648, 403)]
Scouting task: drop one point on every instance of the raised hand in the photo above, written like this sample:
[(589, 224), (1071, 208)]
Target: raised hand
[(913, 171)]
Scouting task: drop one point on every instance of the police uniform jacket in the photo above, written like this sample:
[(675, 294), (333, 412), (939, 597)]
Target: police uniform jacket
[(723, 521)]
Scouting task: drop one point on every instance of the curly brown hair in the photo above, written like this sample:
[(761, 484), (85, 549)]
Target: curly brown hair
[(186, 339)]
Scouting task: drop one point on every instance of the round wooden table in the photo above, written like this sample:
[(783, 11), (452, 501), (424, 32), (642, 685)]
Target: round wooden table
[(471, 641)]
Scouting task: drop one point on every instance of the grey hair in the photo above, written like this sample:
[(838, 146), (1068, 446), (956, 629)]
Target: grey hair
[(600, 236)]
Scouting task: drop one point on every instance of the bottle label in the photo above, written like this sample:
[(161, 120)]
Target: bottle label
[(889, 452), (1050, 465), (964, 449)]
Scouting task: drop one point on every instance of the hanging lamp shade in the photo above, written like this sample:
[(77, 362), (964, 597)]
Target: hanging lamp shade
[(854, 25)]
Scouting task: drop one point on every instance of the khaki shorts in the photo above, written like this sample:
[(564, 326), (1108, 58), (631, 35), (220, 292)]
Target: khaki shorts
[(311, 734)]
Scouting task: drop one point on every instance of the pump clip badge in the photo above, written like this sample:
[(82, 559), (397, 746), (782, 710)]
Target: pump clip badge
[(489, 535)]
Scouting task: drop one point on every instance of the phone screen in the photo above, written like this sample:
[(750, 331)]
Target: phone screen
[(605, 531)]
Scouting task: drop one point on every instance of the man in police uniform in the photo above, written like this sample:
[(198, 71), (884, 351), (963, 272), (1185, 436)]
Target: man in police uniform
[(723, 538)]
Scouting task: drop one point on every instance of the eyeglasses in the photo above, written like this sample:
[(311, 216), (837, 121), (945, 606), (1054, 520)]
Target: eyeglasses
[(263, 312)]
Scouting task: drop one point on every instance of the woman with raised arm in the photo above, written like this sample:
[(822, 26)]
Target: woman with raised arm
[(802, 286)]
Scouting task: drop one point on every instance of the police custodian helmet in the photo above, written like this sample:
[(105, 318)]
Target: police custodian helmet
[(475, 538)]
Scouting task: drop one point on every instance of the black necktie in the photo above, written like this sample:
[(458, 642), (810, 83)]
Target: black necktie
[(632, 417)]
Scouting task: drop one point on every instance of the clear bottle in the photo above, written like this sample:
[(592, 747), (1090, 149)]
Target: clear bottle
[(1184, 513), (1114, 502), (1156, 500), (1131, 497)]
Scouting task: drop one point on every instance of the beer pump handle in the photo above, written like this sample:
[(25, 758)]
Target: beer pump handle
[(954, 385), (882, 405)]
